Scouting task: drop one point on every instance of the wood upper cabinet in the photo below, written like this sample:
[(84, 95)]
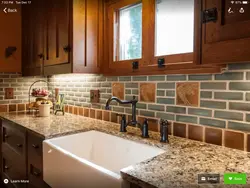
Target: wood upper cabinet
[(32, 39), (87, 35), (70, 36), (10, 37), (226, 38)]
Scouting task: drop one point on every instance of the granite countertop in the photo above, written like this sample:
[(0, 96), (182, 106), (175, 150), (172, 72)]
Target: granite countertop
[(178, 167)]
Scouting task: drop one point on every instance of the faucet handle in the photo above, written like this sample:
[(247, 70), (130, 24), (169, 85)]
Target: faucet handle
[(163, 122)]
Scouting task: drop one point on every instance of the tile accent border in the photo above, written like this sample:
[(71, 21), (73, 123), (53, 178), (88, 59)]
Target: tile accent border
[(208, 134)]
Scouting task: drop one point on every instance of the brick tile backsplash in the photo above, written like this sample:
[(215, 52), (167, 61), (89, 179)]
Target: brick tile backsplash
[(215, 103)]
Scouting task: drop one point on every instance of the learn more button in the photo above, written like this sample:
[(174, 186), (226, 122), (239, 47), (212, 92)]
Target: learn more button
[(235, 178)]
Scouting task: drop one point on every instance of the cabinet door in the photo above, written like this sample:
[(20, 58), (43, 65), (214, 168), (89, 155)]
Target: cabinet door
[(87, 35), (56, 32), (10, 37), (227, 39), (32, 39)]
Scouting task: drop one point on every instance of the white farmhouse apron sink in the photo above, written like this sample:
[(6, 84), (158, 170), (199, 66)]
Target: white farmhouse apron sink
[(91, 159)]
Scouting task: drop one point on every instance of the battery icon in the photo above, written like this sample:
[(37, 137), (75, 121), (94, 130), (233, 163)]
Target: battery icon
[(245, 2)]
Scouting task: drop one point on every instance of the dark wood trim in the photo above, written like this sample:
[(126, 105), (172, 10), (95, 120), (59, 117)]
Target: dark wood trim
[(197, 32)]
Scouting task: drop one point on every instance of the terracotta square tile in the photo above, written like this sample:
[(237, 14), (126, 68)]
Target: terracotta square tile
[(179, 130), (106, 115), (3, 108), (195, 132), (76, 110), (129, 117), (27, 106), (170, 128), (234, 140), (92, 113), (187, 93), (66, 108), (248, 142), (99, 114), (153, 124), (86, 112), (213, 136), (80, 111), (118, 90), (12, 108), (114, 117), (21, 107), (147, 92), (71, 109)]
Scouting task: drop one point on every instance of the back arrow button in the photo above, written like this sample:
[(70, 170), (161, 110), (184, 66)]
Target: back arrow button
[(5, 10)]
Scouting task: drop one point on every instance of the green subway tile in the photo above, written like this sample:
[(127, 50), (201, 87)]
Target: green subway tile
[(118, 109), (176, 77), (213, 85), (239, 106), (239, 126), (130, 97), (128, 91), (170, 93), (230, 76), (186, 119), (125, 78), (105, 84), (135, 91), (242, 86), (101, 79), (178, 110), (147, 113), (156, 107), (113, 78), (248, 117), (131, 85), (129, 111), (105, 96), (200, 112), (206, 94), (228, 95), (139, 78), (247, 96), (160, 93), (213, 122), (156, 78), (213, 104), (165, 101), (239, 66), (248, 75), (166, 85), (165, 116), (200, 77), (141, 105), (228, 115)]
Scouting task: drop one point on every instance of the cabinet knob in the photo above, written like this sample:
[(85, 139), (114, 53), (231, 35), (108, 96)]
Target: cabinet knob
[(6, 167), (35, 146), (40, 56), (6, 136), (66, 48), (36, 173), (19, 145)]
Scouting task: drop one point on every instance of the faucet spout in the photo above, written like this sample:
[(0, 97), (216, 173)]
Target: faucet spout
[(133, 102)]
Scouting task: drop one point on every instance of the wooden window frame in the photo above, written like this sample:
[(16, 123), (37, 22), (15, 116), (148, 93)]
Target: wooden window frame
[(175, 64), (112, 12)]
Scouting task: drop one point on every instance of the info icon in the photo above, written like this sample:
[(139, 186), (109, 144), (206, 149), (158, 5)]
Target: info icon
[(6, 181)]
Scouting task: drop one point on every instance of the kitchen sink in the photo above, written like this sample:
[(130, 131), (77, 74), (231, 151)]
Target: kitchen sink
[(91, 159)]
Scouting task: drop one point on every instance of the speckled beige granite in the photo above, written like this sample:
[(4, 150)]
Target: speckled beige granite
[(178, 167)]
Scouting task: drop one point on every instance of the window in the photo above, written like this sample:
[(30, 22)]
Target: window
[(174, 27), (128, 33)]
